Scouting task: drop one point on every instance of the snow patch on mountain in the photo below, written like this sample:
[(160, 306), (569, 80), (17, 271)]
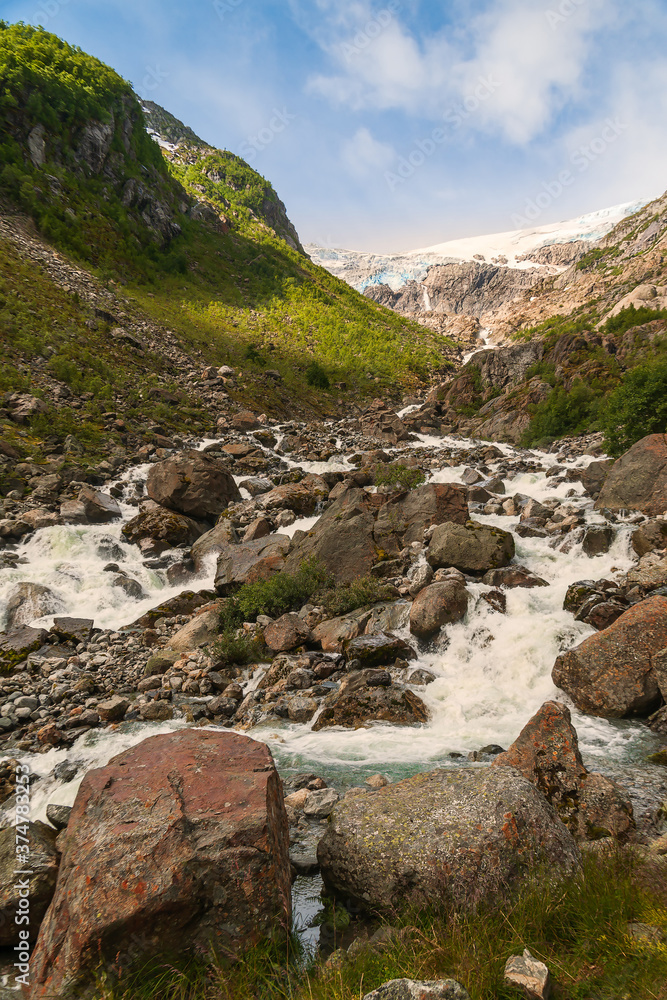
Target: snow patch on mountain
[(361, 269)]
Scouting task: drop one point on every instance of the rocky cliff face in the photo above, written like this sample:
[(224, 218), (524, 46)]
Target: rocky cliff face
[(218, 178)]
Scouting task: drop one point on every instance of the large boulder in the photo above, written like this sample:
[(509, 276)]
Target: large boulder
[(301, 498), (611, 673), (193, 484), (638, 480), (404, 518), (342, 539), (249, 562), (440, 837), (370, 696), (287, 632), (28, 601), (437, 605), (202, 630), (179, 845), (97, 507), (473, 547), (547, 753), (159, 529), (333, 633), (380, 649), (40, 884)]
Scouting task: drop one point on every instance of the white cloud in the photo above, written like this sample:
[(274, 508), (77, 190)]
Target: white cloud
[(536, 55), (363, 155)]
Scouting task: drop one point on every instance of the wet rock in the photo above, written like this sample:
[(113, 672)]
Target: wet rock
[(595, 475), (160, 529), (287, 632), (388, 617), (249, 562), (437, 605), (650, 536), (213, 542), (186, 838), (421, 677), (529, 976), (132, 588), (410, 989), (319, 804), (73, 629), (597, 540), (58, 816), (256, 486), (418, 842), (333, 633), (361, 699), (638, 480), (547, 754), (114, 709), (28, 601), (513, 576), (378, 650), (98, 508), (301, 709), (497, 600), (611, 674), (193, 484), (16, 644), (42, 883), (301, 498), (471, 547), (420, 578)]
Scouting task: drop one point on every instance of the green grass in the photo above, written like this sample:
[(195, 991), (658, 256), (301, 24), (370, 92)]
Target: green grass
[(578, 928), (398, 476)]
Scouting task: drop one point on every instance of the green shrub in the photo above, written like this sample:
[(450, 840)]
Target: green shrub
[(637, 407), (398, 476), (276, 596), (563, 413), (235, 648), (359, 593), (316, 376), (627, 318)]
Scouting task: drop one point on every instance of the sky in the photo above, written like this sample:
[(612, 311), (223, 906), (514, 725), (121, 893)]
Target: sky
[(393, 125)]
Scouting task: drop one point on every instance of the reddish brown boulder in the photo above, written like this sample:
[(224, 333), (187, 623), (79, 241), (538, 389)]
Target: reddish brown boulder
[(369, 696), (177, 846), (249, 562), (157, 530), (333, 633), (547, 753), (302, 498), (342, 539), (287, 632), (193, 484), (611, 673), (437, 605), (638, 480), (513, 576)]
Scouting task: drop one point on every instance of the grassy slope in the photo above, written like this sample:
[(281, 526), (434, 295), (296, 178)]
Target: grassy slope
[(243, 297)]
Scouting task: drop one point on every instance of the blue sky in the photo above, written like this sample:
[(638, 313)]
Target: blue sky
[(396, 124)]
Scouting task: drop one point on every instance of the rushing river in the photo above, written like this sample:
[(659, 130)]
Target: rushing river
[(492, 670)]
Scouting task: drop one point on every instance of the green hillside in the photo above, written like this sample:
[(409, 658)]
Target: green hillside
[(199, 244)]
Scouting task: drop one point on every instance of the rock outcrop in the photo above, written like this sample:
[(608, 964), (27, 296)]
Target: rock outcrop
[(179, 844), (547, 754), (442, 836), (611, 673), (473, 548), (638, 480)]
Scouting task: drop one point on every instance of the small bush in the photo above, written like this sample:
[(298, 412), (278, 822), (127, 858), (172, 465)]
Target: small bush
[(276, 596), (236, 649), (626, 319), (637, 407), (358, 594), (400, 477), (317, 377)]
